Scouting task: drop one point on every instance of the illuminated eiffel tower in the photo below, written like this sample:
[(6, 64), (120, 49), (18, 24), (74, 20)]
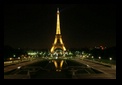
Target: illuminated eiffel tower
[(58, 43)]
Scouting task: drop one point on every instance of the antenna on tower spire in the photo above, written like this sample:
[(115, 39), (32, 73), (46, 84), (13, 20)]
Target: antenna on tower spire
[(57, 9)]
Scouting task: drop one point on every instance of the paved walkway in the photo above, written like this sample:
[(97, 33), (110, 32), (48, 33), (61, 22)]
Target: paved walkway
[(11, 67), (109, 72)]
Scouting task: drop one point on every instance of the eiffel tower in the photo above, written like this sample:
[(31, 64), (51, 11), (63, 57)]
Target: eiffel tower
[(58, 43)]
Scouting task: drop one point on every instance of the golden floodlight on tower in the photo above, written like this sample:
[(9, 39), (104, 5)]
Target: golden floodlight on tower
[(58, 42)]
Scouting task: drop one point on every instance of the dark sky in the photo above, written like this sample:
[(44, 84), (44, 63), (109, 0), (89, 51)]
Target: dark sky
[(82, 25)]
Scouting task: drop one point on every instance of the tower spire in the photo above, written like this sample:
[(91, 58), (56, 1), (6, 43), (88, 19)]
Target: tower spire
[(58, 23)]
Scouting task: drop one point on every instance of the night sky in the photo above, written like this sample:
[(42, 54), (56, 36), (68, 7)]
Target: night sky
[(82, 25)]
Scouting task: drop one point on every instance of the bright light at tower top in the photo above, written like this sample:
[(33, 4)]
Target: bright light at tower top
[(57, 10)]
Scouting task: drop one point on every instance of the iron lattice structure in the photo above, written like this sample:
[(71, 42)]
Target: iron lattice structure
[(58, 42)]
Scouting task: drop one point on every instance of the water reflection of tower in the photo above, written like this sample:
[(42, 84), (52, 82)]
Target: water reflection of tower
[(58, 64)]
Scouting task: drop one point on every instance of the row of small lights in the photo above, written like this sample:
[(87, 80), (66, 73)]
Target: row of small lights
[(100, 58)]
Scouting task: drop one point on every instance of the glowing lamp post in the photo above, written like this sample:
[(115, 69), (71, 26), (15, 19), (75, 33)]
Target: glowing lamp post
[(99, 58), (14, 55), (11, 59), (92, 57), (110, 60)]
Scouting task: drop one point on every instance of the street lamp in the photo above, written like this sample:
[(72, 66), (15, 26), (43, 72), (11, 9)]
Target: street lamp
[(10, 58), (14, 55), (110, 59), (92, 57), (99, 58)]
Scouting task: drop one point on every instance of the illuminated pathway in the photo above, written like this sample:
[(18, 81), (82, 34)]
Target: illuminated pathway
[(9, 68), (109, 73)]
